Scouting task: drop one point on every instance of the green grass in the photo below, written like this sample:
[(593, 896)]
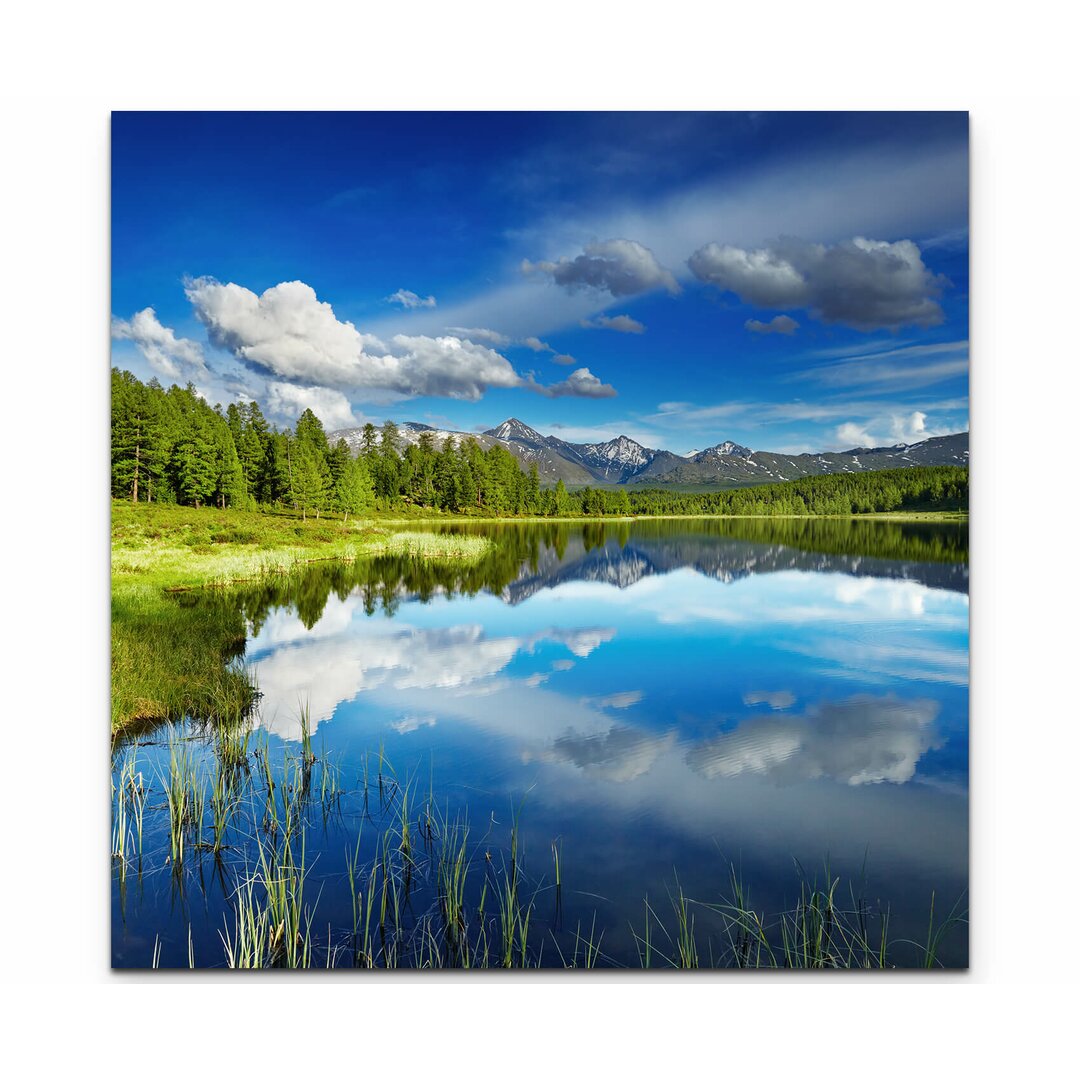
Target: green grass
[(174, 653)]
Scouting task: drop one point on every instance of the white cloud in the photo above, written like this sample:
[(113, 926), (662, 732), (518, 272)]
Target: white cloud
[(622, 324), (408, 299), (865, 284), (563, 358), (579, 383), (622, 267), (168, 355), (291, 334), (536, 344), (479, 333), (905, 368), (888, 430), (781, 324), (331, 406)]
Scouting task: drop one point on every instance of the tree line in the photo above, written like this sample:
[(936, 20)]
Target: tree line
[(170, 445)]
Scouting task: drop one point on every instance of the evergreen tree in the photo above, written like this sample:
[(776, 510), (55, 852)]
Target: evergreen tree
[(230, 486), (310, 480), (353, 491), (562, 500), (130, 424), (195, 460)]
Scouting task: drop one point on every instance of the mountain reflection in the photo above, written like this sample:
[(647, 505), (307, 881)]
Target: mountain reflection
[(613, 652), (527, 559)]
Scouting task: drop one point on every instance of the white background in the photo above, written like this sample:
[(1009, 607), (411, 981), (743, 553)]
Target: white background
[(64, 67)]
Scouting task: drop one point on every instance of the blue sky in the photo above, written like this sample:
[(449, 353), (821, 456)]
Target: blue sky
[(790, 281)]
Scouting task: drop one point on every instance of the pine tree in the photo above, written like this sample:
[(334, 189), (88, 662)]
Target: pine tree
[(130, 423), (562, 499), (195, 459), (353, 491), (310, 483), (231, 487)]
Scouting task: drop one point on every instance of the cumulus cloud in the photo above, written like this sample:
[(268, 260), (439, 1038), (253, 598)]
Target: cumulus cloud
[(408, 299), (480, 333), (862, 740), (864, 284), (622, 324), (622, 267), (781, 324), (168, 355), (563, 358), (890, 429), (289, 333), (579, 383), (330, 406)]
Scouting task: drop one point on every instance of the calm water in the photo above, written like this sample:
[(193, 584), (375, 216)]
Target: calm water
[(655, 699)]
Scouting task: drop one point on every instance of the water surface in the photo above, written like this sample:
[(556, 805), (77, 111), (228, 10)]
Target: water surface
[(657, 699)]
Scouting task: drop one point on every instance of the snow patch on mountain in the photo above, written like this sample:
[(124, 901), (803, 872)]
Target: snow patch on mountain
[(724, 449), (621, 451), (516, 430)]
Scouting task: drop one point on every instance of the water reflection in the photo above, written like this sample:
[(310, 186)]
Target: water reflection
[(327, 666), (661, 691), (862, 740)]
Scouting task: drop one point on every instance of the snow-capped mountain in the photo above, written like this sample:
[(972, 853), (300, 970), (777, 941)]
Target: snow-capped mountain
[(724, 449), (622, 460), (616, 460), (515, 429)]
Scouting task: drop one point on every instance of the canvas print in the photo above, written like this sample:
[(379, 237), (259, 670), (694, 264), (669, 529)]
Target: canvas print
[(539, 540)]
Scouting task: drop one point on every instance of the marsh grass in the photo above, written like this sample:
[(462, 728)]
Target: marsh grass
[(433, 545)]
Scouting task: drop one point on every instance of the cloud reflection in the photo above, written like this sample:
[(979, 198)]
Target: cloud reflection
[(326, 671), (862, 740)]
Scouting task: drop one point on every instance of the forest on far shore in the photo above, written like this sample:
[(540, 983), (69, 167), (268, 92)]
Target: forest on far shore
[(171, 446)]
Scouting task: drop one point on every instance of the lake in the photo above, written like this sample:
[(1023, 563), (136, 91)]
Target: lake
[(632, 720)]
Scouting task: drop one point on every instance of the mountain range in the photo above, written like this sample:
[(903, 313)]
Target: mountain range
[(623, 462)]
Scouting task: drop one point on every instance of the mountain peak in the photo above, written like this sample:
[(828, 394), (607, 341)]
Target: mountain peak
[(725, 449), (621, 454), (513, 428)]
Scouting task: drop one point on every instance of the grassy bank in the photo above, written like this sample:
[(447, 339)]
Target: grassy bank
[(174, 651)]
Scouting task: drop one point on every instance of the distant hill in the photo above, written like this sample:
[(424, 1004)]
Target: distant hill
[(624, 462)]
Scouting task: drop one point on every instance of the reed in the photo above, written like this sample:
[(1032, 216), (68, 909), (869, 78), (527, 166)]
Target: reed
[(180, 785)]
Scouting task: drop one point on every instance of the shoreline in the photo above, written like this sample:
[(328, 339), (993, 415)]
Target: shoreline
[(947, 516)]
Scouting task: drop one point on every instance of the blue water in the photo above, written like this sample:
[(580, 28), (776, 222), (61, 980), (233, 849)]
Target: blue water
[(660, 702)]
